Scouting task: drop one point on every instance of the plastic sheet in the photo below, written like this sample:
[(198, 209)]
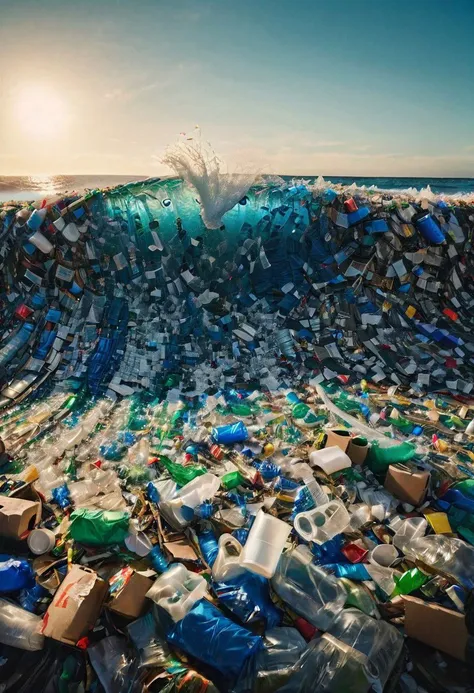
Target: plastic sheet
[(99, 528)]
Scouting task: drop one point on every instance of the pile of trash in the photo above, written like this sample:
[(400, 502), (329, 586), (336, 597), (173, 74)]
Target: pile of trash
[(237, 459)]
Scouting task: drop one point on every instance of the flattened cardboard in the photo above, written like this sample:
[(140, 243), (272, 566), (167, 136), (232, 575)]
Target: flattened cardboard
[(18, 516), (131, 601), (339, 437), (436, 626), (75, 607), (407, 483)]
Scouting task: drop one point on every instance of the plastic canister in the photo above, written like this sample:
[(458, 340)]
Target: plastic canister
[(41, 242), (429, 229), (227, 565), (265, 544)]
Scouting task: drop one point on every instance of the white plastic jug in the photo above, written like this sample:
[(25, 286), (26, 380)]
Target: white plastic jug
[(323, 523), (228, 564), (264, 545), (330, 460)]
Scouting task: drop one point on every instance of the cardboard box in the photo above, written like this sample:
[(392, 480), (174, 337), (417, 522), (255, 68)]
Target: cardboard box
[(130, 599), (18, 516), (75, 607), (436, 626), (339, 437), (357, 450), (407, 483)]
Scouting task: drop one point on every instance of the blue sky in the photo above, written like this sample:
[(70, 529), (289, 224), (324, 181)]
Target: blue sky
[(342, 87)]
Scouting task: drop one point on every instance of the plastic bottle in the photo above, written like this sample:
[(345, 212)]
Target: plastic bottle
[(447, 555), (230, 433), (19, 628), (322, 523), (308, 589)]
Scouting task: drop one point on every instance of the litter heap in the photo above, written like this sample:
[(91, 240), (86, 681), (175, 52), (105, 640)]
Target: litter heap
[(236, 459)]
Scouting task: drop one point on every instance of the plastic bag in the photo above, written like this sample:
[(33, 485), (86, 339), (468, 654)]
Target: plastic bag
[(99, 527), (205, 633), (154, 651), (247, 596), (380, 456), (113, 664), (15, 574)]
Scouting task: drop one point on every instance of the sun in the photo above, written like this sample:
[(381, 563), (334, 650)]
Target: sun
[(40, 111)]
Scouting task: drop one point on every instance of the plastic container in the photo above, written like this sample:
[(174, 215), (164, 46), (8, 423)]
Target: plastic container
[(410, 529), (308, 589), (177, 590), (429, 229), (448, 555), (41, 242), (228, 564), (230, 433), (322, 523), (198, 490), (380, 642), (330, 460), (20, 628), (384, 555), (265, 543), (41, 541)]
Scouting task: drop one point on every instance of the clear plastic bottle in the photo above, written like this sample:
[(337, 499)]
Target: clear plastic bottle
[(20, 628), (308, 589), (447, 554)]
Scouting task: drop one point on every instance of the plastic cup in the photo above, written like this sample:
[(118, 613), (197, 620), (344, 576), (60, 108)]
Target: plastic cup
[(41, 541), (384, 555)]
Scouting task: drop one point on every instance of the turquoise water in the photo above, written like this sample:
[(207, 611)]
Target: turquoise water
[(35, 187)]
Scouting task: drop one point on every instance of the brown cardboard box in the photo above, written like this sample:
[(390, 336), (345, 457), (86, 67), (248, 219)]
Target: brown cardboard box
[(131, 601), (339, 437), (18, 516), (409, 484), (357, 450), (436, 626), (75, 607)]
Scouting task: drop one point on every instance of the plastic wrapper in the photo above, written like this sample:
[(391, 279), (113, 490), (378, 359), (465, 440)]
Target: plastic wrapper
[(272, 665), (20, 628), (329, 666), (380, 642), (15, 574), (247, 596), (113, 664), (152, 648), (99, 528), (206, 634), (308, 589)]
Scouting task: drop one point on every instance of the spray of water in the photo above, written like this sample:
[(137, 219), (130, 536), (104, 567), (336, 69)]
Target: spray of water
[(198, 165)]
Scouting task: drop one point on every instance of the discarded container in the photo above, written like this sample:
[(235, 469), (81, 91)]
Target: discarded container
[(322, 523), (265, 544)]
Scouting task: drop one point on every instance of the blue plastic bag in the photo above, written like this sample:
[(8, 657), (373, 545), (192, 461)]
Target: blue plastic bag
[(15, 574), (206, 634), (247, 596)]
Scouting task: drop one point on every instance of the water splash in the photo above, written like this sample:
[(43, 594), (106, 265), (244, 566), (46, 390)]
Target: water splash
[(200, 167)]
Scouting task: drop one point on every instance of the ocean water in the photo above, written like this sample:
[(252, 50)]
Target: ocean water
[(37, 187)]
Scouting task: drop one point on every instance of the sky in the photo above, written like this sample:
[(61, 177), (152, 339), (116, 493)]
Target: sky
[(342, 87)]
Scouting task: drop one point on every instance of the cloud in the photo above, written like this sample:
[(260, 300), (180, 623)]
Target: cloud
[(328, 143)]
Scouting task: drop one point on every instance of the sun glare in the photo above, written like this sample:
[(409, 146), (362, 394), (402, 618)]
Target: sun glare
[(40, 111)]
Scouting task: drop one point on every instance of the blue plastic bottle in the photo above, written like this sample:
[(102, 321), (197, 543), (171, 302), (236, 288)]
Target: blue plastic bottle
[(429, 229)]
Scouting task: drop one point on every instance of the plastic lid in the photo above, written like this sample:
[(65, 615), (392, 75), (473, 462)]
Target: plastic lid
[(41, 541)]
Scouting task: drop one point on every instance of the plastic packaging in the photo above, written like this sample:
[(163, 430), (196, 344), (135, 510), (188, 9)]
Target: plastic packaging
[(231, 433), (308, 589), (322, 523), (227, 563), (447, 555), (99, 527), (380, 642), (177, 590), (15, 574), (221, 644), (19, 628), (410, 529), (265, 544), (330, 460)]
